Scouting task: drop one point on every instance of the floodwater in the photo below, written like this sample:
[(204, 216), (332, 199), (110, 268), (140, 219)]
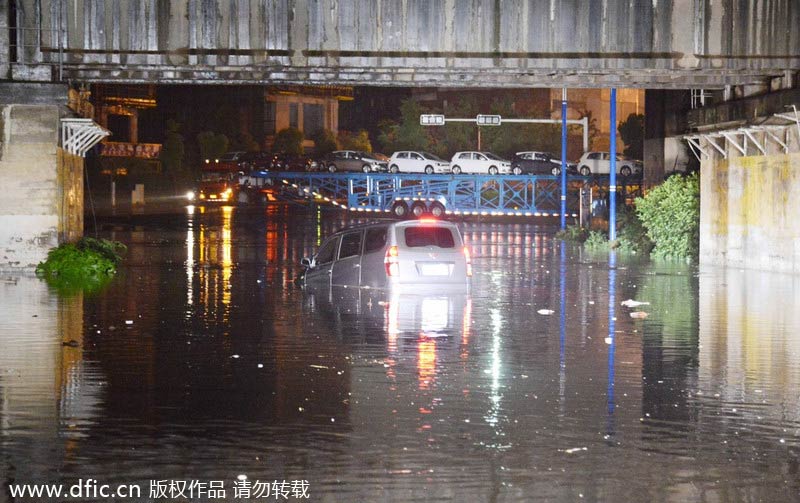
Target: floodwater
[(203, 362)]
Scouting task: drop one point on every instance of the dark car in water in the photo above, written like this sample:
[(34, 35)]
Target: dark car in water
[(538, 163)]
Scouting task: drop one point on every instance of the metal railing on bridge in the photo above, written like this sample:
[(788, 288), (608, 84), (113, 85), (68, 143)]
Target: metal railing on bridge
[(31, 47), (506, 195)]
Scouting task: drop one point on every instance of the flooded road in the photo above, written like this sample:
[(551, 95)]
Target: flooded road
[(203, 361)]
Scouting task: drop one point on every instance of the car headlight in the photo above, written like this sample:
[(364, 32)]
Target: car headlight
[(190, 196)]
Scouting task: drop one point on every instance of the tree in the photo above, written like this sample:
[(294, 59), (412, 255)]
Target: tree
[(289, 141), (172, 150), (212, 145), (631, 130), (244, 141), (411, 135), (355, 141), (387, 138), (324, 142)]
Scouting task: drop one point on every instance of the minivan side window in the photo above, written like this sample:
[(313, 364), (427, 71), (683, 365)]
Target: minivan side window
[(375, 239), (351, 245), (429, 236), (326, 253)]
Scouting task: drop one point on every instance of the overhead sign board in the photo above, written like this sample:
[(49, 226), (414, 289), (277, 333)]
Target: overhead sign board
[(488, 120), (431, 120)]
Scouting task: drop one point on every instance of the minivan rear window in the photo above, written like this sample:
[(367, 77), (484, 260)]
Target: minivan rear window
[(429, 236), (375, 239)]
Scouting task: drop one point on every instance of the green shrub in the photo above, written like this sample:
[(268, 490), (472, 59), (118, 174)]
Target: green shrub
[(631, 233), (86, 265), (289, 141), (597, 240), (573, 233), (671, 215)]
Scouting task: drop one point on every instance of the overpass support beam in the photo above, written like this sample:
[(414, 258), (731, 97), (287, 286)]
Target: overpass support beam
[(42, 199)]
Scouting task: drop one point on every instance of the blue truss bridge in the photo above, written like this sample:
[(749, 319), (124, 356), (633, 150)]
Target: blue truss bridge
[(415, 195)]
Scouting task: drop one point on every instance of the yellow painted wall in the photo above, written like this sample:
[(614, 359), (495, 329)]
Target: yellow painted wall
[(749, 212)]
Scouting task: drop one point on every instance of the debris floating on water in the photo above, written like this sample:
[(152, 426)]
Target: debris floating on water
[(639, 314), (545, 312), (634, 303)]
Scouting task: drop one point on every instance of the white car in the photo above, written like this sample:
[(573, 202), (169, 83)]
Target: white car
[(408, 161), (599, 163), (409, 255), (479, 163)]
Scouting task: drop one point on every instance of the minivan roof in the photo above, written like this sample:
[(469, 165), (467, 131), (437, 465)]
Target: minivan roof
[(389, 223)]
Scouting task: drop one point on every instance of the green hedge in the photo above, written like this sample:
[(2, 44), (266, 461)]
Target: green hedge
[(671, 215), (85, 265)]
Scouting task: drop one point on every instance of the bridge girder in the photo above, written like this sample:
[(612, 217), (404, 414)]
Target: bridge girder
[(513, 43)]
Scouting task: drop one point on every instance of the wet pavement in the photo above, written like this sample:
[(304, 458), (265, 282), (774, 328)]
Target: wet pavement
[(204, 361)]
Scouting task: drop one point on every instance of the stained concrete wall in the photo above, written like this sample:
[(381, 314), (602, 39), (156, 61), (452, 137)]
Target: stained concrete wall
[(749, 209), (42, 203), (515, 43)]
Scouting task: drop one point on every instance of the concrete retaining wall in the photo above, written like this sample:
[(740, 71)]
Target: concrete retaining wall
[(749, 209), (42, 203)]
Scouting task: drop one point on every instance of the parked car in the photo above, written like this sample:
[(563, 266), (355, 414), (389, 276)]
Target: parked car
[(538, 163), (256, 160), (405, 255), (353, 160), (478, 163), (599, 163), (229, 161), (292, 162), (417, 162)]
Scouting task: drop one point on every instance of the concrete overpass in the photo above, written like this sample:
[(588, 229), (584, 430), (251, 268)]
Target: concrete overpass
[(743, 49), (673, 44)]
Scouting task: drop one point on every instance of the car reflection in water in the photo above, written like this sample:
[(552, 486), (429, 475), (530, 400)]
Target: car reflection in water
[(400, 324)]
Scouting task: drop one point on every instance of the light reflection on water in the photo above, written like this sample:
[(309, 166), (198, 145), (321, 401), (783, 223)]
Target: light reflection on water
[(204, 361)]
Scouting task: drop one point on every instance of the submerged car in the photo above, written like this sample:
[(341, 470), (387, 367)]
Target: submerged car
[(413, 254)]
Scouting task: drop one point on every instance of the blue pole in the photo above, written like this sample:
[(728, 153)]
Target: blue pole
[(612, 181), (564, 158)]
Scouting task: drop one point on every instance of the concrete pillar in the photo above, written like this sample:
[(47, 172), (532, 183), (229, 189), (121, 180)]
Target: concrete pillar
[(42, 203), (133, 126), (5, 49)]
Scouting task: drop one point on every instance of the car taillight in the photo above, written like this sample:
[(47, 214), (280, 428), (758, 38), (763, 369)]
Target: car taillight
[(468, 260), (428, 220), (391, 263)]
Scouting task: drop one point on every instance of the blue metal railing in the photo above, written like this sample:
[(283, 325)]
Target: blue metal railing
[(529, 195)]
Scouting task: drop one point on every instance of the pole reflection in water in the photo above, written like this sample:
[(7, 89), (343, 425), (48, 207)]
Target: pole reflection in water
[(562, 325), (611, 341), (494, 369), (190, 256)]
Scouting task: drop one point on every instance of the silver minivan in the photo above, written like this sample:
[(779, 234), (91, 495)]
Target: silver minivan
[(393, 255)]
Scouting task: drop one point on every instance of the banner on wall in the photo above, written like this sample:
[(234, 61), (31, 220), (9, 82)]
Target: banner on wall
[(122, 149)]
